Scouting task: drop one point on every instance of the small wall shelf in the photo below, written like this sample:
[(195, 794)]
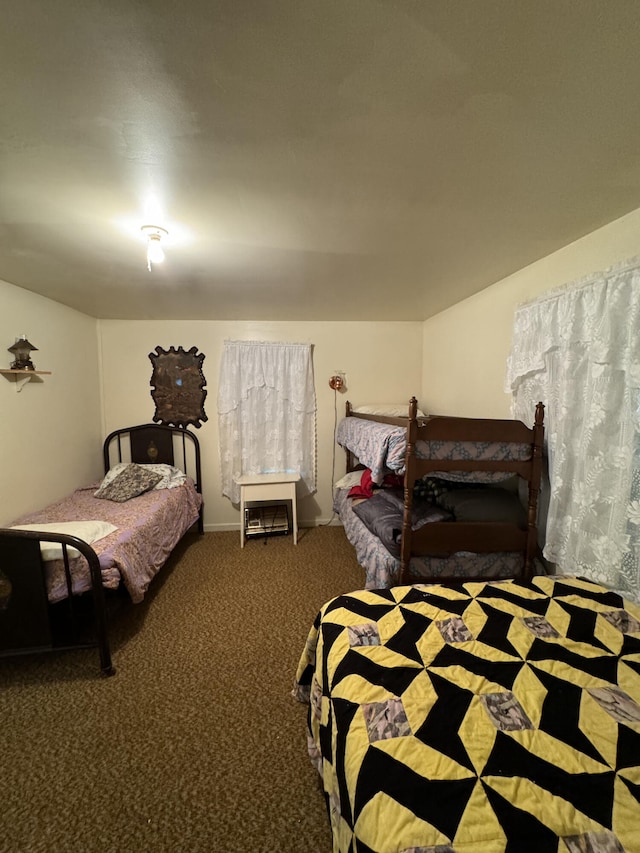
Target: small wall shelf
[(21, 377)]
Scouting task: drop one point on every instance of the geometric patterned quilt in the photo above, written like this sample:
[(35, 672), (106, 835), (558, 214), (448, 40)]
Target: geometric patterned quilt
[(498, 717)]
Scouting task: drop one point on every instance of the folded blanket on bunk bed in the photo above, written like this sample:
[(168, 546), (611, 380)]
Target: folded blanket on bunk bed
[(379, 447), (382, 514), (145, 529)]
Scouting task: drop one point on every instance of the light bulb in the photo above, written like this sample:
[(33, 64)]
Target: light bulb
[(154, 234), (155, 255)]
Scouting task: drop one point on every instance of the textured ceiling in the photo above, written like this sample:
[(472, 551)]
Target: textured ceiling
[(342, 159)]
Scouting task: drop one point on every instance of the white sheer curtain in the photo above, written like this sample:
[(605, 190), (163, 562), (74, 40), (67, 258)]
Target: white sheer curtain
[(578, 350), (266, 413)]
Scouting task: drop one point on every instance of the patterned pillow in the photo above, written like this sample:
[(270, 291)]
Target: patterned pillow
[(130, 482)]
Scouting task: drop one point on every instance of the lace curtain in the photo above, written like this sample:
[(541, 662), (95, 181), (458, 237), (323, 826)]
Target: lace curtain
[(578, 350), (266, 413)]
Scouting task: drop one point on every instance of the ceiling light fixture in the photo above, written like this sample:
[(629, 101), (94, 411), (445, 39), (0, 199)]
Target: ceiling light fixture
[(154, 235)]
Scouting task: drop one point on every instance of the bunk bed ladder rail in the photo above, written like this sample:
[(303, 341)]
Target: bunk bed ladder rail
[(534, 491), (409, 480)]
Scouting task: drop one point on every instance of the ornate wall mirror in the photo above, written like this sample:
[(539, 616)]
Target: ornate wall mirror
[(177, 384)]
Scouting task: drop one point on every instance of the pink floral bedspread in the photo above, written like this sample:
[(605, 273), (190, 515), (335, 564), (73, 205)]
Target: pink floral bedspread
[(149, 527)]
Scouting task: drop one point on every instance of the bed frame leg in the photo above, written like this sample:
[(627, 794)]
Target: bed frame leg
[(106, 666), (108, 670), (100, 614)]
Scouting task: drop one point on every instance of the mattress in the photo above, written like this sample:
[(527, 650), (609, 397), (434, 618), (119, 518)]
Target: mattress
[(148, 528)]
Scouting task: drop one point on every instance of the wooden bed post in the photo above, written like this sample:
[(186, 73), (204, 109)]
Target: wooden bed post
[(534, 490), (349, 462), (409, 478)]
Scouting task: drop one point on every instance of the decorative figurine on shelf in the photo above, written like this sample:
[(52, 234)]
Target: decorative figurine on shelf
[(21, 350)]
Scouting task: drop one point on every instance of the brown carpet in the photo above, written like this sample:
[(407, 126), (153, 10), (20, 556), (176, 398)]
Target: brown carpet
[(195, 744)]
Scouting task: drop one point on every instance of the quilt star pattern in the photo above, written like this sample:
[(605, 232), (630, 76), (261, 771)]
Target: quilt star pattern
[(497, 717)]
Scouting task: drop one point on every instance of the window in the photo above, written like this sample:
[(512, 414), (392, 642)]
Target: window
[(266, 413), (578, 350)]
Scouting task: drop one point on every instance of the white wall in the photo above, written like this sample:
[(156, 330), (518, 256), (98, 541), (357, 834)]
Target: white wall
[(50, 431), (382, 362), (465, 349)]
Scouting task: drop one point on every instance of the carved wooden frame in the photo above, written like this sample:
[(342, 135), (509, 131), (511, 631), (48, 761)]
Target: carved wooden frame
[(177, 384)]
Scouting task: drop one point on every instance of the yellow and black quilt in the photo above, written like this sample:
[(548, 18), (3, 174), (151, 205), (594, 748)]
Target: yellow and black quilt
[(493, 717)]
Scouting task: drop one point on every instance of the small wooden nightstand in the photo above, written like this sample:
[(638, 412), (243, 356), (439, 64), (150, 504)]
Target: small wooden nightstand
[(264, 488)]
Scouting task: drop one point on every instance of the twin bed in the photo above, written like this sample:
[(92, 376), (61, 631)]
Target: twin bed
[(53, 560), (422, 474), (488, 717)]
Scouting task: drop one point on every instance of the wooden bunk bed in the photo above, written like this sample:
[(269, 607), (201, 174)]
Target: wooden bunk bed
[(475, 457), (53, 581)]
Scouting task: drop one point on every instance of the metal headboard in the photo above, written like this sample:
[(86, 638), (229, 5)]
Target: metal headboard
[(155, 443)]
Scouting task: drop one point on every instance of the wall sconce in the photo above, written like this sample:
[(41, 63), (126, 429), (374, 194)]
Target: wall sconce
[(337, 382), (154, 235), (21, 350)]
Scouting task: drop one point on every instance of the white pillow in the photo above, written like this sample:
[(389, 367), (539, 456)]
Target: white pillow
[(349, 480), (171, 477), (388, 410), (88, 531)]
